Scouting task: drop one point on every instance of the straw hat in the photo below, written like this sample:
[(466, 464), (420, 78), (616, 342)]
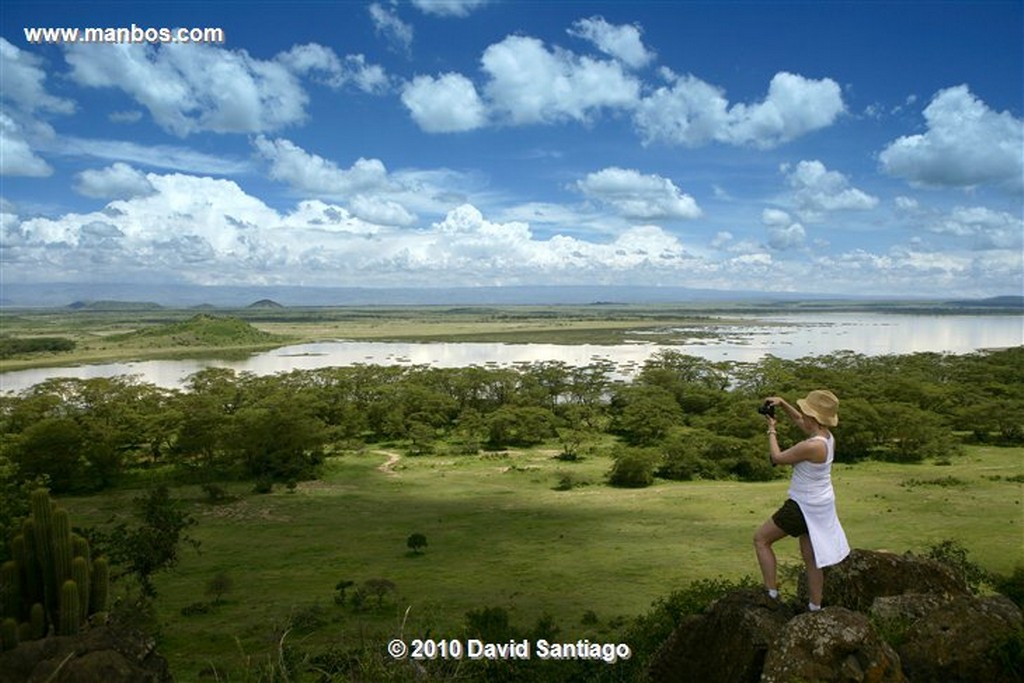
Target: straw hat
[(822, 405)]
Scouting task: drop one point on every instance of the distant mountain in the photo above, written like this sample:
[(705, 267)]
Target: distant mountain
[(992, 302), (265, 303), (113, 305), (93, 295)]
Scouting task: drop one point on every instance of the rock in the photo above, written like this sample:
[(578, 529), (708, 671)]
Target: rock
[(727, 643), (865, 575), (102, 653), (835, 644), (958, 640)]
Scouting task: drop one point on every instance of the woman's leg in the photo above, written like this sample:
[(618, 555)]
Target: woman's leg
[(815, 577), (767, 534)]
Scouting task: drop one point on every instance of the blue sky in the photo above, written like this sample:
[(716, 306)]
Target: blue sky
[(825, 147)]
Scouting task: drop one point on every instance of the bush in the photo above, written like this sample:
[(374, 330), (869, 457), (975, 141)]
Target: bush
[(633, 468), (954, 555), (1012, 586)]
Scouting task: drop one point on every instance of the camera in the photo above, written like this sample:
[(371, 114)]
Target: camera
[(767, 408)]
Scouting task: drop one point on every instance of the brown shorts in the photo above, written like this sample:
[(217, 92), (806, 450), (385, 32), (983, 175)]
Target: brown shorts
[(790, 518)]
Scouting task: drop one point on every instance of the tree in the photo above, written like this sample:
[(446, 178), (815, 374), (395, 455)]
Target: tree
[(378, 587), (217, 586), (416, 542), (153, 545), (646, 414)]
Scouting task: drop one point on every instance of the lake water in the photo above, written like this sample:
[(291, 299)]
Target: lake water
[(784, 336)]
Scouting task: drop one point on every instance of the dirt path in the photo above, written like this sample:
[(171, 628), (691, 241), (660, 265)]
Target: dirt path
[(388, 467)]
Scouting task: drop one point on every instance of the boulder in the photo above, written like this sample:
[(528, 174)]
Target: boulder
[(960, 640), (865, 575), (727, 643), (102, 653), (835, 644)]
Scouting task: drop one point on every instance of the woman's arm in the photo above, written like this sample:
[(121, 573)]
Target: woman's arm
[(813, 450), (795, 415)]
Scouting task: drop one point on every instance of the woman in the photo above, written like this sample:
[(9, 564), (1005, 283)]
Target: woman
[(810, 512)]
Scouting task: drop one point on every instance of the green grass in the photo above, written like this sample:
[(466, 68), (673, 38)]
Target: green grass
[(500, 535)]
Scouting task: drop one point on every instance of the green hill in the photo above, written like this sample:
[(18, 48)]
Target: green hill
[(201, 330)]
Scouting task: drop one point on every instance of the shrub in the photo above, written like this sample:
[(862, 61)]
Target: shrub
[(633, 468), (1012, 586), (953, 554)]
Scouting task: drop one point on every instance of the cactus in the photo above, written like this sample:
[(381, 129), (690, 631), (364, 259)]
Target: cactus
[(10, 590), (70, 609), (61, 546), (50, 567), (42, 519), (80, 574), (29, 564), (80, 548), (8, 634), (37, 620), (100, 585)]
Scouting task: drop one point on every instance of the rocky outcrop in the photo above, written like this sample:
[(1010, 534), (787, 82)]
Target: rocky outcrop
[(727, 644), (865, 575), (887, 619), (101, 653)]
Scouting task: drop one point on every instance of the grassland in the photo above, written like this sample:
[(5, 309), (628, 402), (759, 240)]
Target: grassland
[(499, 534)]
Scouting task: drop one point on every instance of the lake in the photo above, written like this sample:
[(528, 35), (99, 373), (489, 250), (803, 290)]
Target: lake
[(748, 340)]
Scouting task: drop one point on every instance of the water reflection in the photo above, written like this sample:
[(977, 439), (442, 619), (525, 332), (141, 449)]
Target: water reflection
[(789, 336)]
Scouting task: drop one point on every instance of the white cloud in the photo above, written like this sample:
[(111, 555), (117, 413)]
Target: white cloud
[(24, 82), (16, 155), (634, 195), (447, 104), (783, 232), (620, 42), (189, 88), (966, 144), (448, 8), (530, 84), (315, 59), (171, 157), (387, 23), (118, 181), (692, 112), (987, 229), (315, 175), (817, 191)]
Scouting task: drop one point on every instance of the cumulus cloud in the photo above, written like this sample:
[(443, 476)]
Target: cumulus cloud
[(448, 8), (118, 181), (983, 227), (446, 104), (620, 42), (25, 101), (388, 24), (691, 112), (315, 175), (639, 196), (323, 63), (783, 233), (189, 88), (25, 82), (210, 231), (817, 191), (18, 157), (531, 84), (966, 144)]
